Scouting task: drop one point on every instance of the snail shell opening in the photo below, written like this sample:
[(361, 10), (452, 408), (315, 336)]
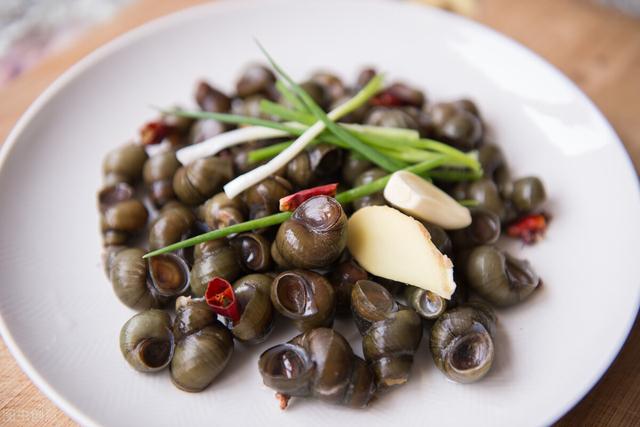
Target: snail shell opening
[(430, 305), (155, 353), (169, 274), (470, 356), (319, 213), (371, 301), (295, 295)]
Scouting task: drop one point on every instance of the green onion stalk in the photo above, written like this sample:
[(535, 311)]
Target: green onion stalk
[(271, 220)]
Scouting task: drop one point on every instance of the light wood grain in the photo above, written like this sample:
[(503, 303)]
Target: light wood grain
[(597, 48)]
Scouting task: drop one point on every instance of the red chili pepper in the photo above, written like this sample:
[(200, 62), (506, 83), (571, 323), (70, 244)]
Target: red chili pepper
[(386, 99), (529, 228), (292, 201), (220, 297), (155, 132), (283, 400), (398, 95)]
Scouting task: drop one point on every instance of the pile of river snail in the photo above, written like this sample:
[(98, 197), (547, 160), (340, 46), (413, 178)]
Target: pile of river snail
[(300, 270)]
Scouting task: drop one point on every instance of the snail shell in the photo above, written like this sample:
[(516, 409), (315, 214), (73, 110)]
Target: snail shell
[(146, 341), (315, 235), (305, 297), (318, 363), (462, 342), (203, 345)]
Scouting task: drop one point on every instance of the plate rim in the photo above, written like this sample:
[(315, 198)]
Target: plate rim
[(157, 24)]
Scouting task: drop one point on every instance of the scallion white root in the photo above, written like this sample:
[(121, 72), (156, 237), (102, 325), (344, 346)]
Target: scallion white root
[(241, 183), (218, 143)]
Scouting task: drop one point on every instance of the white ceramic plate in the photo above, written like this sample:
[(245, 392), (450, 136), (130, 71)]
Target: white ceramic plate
[(61, 320)]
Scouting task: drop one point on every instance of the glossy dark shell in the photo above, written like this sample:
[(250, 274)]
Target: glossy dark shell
[(390, 333), (214, 258), (124, 164), (255, 79), (370, 303), (203, 346), (491, 158), (391, 117), (114, 238), (305, 297), (146, 341), (375, 199), (158, 175), (168, 274), (128, 216), (324, 161), (484, 229), (316, 92), (389, 346), (211, 99), (201, 179), (528, 194), (130, 280), (500, 278), (278, 259), (463, 130), (502, 178), (121, 214), (172, 225), (111, 195), (253, 293), (427, 304), (461, 342), (321, 364), (486, 193), (263, 198), (343, 277), (354, 165), (254, 251), (441, 112), (315, 235), (299, 171), (331, 84)]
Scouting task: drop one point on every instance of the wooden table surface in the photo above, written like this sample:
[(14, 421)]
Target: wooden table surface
[(597, 48)]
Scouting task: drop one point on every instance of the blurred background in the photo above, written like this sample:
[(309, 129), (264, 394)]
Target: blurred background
[(596, 43), (32, 29)]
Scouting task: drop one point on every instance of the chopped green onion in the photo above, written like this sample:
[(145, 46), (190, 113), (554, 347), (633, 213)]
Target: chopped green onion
[(268, 221), (468, 159), (228, 139), (268, 152), (374, 85), (290, 97), (469, 203), (379, 184), (254, 224), (278, 110), (408, 154), (400, 135), (241, 183), (233, 119), (456, 175)]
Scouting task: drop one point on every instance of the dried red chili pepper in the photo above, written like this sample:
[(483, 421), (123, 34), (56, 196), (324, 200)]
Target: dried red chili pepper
[(292, 201), (386, 99), (529, 228), (283, 400), (155, 132), (398, 95), (220, 297)]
